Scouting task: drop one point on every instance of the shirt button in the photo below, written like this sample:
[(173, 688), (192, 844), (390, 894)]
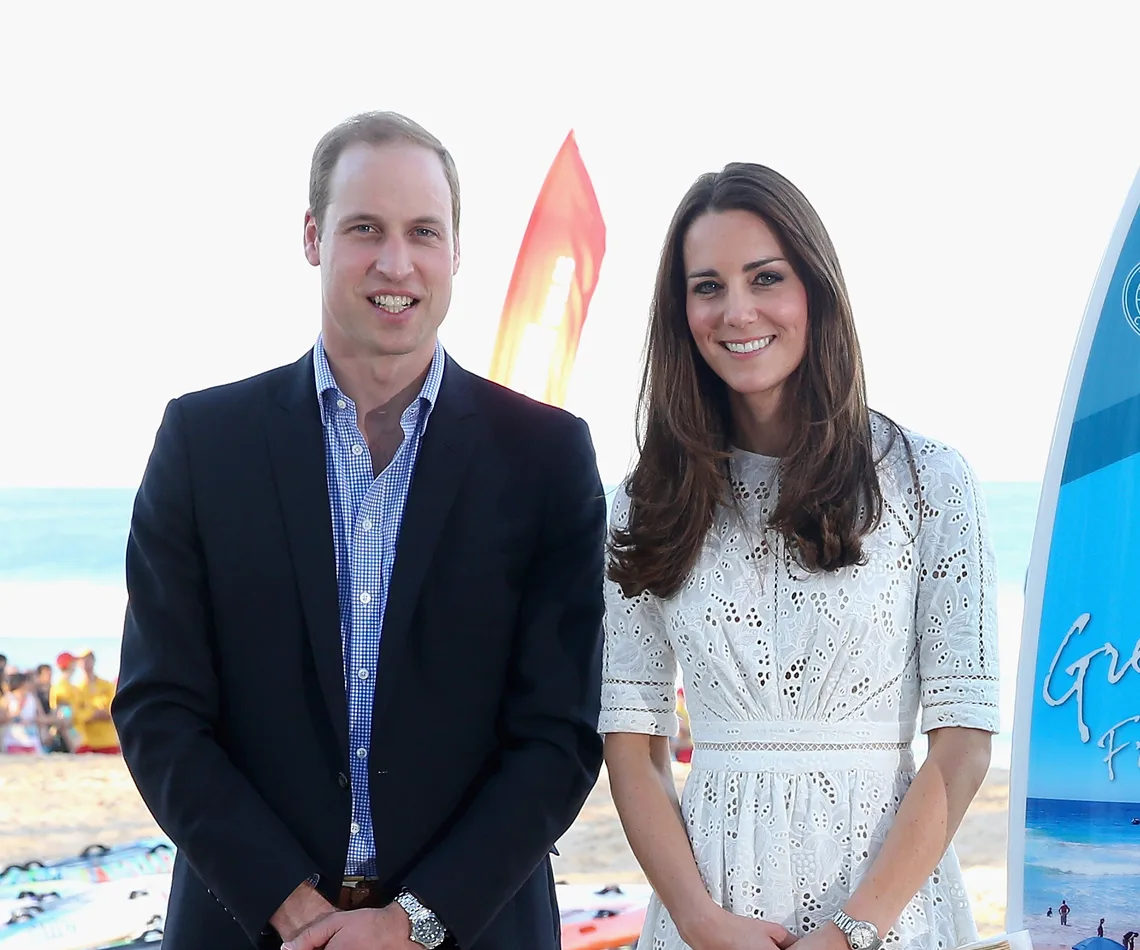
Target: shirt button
[(366, 598), (366, 524), (354, 828), (341, 404), (363, 674), (357, 449), (342, 779), (362, 753)]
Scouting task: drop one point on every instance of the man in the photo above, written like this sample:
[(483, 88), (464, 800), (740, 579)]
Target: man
[(49, 732), (62, 700), (3, 674), (43, 687), (61, 691), (421, 552), (91, 699)]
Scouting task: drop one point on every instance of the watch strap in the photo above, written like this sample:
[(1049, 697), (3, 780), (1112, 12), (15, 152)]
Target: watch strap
[(419, 914), (843, 920), (848, 924)]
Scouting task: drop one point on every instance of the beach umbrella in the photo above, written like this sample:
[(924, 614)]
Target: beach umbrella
[(1098, 943)]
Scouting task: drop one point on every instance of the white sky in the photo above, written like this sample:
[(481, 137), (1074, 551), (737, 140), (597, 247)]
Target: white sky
[(969, 162)]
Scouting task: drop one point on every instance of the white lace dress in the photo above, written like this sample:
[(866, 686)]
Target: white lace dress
[(804, 691)]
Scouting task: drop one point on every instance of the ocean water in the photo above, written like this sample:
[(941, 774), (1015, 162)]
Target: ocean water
[(61, 575), (1086, 854)]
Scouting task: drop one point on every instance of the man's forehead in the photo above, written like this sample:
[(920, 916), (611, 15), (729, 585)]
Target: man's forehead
[(393, 171)]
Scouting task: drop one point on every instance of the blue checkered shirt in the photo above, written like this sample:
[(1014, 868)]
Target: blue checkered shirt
[(366, 517)]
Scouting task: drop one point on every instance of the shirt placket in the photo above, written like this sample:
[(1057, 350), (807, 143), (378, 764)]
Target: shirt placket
[(366, 602), (373, 527), (367, 513)]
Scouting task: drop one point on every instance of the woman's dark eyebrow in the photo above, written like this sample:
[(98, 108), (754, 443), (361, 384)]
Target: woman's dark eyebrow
[(763, 262), (746, 268)]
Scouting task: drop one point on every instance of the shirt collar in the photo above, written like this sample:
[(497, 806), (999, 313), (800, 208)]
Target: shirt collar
[(327, 387)]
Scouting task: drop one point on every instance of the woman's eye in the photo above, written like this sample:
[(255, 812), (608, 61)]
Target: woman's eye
[(705, 287), (768, 277)]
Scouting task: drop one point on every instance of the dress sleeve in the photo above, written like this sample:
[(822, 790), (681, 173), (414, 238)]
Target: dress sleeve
[(639, 672), (956, 610)]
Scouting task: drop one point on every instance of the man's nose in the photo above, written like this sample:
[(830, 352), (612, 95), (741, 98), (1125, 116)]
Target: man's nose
[(394, 259)]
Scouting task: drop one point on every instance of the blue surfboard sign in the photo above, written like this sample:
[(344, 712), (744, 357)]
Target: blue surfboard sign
[(1074, 813)]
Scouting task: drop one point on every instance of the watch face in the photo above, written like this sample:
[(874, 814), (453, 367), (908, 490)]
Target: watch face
[(862, 936), (429, 932)]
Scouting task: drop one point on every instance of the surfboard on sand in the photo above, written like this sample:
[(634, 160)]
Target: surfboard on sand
[(115, 913), (97, 863), (1074, 842)]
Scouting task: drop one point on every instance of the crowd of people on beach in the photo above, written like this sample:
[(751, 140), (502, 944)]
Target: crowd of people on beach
[(69, 711)]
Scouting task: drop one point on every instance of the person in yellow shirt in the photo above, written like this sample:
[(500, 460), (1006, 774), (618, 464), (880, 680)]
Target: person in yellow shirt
[(62, 700), (91, 705), (63, 687)]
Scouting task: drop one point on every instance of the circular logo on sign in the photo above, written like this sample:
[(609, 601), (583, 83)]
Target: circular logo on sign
[(1130, 298)]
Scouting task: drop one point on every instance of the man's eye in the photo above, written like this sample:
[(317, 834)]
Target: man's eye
[(426, 232)]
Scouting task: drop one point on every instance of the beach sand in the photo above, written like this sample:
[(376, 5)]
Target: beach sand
[(55, 806)]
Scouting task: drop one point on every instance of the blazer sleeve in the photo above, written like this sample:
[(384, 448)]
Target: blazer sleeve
[(167, 707), (551, 751)]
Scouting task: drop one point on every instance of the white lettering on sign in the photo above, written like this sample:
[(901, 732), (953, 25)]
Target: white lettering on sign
[(1079, 684)]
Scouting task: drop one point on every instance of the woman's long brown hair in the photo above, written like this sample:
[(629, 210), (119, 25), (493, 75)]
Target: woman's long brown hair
[(830, 496)]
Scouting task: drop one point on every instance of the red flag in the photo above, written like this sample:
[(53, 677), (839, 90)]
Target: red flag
[(554, 278)]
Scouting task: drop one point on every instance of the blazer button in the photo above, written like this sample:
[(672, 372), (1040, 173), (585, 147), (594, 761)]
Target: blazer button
[(342, 780)]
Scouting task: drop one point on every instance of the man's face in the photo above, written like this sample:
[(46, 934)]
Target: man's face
[(386, 250), (89, 664), (43, 677)]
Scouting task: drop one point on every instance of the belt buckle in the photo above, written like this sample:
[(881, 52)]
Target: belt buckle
[(352, 881)]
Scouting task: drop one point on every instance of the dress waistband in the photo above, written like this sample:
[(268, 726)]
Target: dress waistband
[(802, 746)]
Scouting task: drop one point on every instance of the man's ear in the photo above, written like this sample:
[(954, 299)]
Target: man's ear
[(312, 239)]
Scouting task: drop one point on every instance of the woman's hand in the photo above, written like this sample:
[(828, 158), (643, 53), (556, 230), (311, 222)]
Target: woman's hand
[(724, 930), (826, 937)]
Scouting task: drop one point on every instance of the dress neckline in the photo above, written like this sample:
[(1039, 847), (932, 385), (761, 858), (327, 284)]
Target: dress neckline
[(745, 461)]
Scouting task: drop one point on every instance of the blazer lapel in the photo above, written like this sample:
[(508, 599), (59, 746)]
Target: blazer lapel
[(296, 443), (440, 468)]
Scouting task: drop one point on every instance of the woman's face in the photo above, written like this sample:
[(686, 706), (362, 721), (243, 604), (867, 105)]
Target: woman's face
[(747, 308)]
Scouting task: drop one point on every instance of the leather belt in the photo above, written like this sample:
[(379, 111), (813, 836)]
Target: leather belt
[(358, 892)]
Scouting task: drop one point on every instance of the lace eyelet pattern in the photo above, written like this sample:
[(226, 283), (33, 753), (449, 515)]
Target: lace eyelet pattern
[(805, 690)]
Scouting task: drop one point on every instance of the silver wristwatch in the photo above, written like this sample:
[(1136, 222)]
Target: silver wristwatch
[(427, 931), (860, 934)]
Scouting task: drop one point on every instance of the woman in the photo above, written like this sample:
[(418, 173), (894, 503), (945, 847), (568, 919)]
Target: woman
[(818, 574), (24, 719)]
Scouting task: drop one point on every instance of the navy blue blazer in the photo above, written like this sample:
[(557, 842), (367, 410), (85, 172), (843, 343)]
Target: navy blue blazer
[(231, 706)]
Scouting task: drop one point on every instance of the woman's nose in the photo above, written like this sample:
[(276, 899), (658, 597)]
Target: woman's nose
[(740, 312)]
